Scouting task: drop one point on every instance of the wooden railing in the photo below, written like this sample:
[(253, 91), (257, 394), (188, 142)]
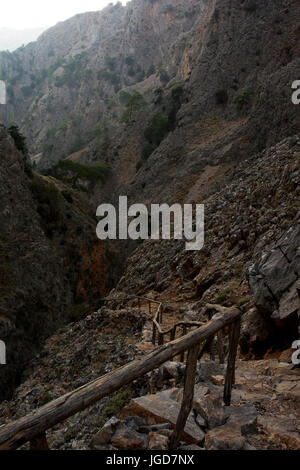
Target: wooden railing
[(158, 335), (33, 427)]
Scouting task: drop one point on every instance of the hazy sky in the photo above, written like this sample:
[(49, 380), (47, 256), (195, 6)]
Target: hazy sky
[(23, 14)]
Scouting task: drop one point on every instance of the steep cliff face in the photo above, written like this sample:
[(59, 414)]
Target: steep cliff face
[(52, 267), (64, 87), (219, 71), (241, 62)]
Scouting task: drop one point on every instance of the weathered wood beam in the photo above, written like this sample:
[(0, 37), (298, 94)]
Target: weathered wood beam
[(230, 372), (188, 396), (15, 434)]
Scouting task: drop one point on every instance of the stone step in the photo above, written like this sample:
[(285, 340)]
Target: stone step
[(163, 407)]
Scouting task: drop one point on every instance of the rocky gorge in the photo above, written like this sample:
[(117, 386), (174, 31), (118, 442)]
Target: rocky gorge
[(165, 102)]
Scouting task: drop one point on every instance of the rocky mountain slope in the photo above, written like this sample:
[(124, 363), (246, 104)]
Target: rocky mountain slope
[(11, 39), (185, 101), (52, 269), (219, 71)]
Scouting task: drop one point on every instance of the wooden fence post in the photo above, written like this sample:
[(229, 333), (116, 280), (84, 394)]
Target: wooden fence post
[(161, 313), (188, 396), (220, 346), (154, 334), (183, 334), (27, 428), (173, 333), (234, 337)]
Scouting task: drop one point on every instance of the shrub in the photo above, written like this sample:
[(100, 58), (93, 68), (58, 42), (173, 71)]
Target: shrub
[(27, 90), (73, 71), (243, 99), (177, 93), (129, 60), (71, 171), (134, 103), (48, 200), (114, 406), (124, 97), (151, 70), (147, 150), (110, 62), (157, 129), (172, 118), (159, 92), (19, 139), (164, 77), (20, 143)]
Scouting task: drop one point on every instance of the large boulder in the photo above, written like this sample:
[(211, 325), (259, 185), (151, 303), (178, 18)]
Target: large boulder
[(274, 279)]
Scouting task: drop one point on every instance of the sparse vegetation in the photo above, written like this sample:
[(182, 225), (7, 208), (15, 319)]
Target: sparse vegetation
[(157, 129), (73, 172), (243, 99), (20, 143), (114, 406), (48, 200), (134, 104), (73, 71)]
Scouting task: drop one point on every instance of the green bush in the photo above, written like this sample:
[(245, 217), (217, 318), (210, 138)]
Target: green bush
[(157, 129), (243, 99), (124, 97), (71, 172), (147, 150), (114, 406), (73, 71), (177, 93), (110, 62), (159, 93), (19, 139), (129, 60), (164, 77), (48, 200), (20, 143), (151, 70), (134, 104)]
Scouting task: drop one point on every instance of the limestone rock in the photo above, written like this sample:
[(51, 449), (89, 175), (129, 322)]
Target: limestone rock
[(273, 280), (126, 438), (245, 416), (227, 437), (211, 409)]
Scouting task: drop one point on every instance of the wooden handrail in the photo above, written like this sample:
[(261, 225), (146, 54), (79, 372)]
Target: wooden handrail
[(35, 424), (157, 318)]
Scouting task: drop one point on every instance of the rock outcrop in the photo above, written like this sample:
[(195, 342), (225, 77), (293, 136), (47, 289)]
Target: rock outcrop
[(274, 280)]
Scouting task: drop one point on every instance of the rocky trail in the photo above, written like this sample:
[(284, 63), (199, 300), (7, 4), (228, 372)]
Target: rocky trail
[(264, 413)]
